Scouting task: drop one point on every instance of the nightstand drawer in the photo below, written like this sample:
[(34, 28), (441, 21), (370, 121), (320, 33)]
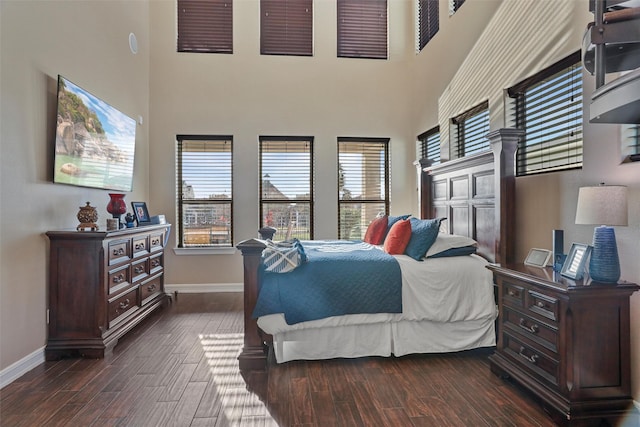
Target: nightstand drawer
[(536, 331), (543, 305), (536, 362), (513, 294)]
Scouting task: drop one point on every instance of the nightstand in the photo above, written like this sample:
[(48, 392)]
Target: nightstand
[(567, 342)]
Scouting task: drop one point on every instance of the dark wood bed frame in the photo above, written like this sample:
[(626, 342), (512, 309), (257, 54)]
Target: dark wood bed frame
[(476, 194)]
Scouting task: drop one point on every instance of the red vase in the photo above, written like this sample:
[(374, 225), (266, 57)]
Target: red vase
[(117, 206)]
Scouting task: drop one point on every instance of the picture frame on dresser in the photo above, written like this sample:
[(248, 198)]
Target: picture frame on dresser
[(141, 213), (573, 266)]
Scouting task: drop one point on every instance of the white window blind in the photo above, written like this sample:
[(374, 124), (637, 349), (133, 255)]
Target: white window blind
[(286, 186), (205, 191), (363, 184)]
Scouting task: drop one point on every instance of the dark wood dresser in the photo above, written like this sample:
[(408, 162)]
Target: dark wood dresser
[(102, 284), (566, 342)]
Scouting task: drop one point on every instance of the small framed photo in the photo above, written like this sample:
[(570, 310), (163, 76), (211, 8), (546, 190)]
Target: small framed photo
[(538, 257), (141, 213), (573, 266)]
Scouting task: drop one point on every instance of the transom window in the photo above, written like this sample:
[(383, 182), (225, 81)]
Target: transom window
[(286, 186), (286, 27), (205, 26), (363, 184), (204, 191), (428, 21), (362, 29), (548, 106)]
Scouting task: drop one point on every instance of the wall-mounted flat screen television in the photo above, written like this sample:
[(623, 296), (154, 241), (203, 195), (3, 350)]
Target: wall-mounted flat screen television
[(95, 143)]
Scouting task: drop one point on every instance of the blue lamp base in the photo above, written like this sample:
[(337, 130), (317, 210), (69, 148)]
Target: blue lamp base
[(604, 265)]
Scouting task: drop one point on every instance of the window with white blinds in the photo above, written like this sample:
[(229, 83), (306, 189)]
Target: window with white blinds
[(548, 107), (204, 166), (362, 29), (363, 184), (429, 145), (205, 26), (428, 21), (286, 27), (469, 131), (286, 186), (631, 143)]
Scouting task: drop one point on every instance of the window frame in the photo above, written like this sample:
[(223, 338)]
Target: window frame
[(359, 33), (181, 202), (310, 200), (195, 31), (571, 66), (285, 29), (385, 144)]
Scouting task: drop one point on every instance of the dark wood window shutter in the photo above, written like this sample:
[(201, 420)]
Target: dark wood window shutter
[(205, 26), (286, 27), (362, 29)]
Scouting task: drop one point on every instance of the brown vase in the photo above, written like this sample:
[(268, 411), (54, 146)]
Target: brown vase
[(88, 217)]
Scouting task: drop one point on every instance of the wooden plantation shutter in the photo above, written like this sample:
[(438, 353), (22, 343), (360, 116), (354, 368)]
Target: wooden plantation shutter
[(205, 26), (362, 29), (428, 21), (286, 27)]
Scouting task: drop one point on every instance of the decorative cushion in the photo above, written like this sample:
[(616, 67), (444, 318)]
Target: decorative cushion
[(423, 234), (446, 241), (284, 256), (398, 237), (377, 231)]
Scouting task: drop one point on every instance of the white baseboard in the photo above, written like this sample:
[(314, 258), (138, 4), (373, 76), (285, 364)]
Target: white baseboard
[(199, 288), (21, 367)]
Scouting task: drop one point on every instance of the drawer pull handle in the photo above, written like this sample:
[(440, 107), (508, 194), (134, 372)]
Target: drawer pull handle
[(118, 279), (139, 269), (533, 328), (511, 293), (124, 304), (155, 263), (117, 252), (151, 287), (540, 304), (155, 242), (139, 246), (533, 359)]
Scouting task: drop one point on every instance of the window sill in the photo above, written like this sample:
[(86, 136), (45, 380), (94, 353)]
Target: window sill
[(205, 251)]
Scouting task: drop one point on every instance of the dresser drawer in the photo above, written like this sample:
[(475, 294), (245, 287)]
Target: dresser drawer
[(140, 246), (156, 263), (123, 305), (544, 305), (539, 365), (119, 279), (513, 294), (156, 242), (150, 288), (140, 269), (539, 332), (119, 251)]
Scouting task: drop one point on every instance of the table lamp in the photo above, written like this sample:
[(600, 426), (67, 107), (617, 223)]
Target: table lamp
[(603, 204)]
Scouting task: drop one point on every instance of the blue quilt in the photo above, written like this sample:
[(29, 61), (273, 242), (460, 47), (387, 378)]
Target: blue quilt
[(340, 277)]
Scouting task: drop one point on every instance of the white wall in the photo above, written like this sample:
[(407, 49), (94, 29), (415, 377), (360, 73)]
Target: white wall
[(87, 42)]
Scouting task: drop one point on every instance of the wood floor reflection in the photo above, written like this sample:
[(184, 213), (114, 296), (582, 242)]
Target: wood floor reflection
[(179, 368)]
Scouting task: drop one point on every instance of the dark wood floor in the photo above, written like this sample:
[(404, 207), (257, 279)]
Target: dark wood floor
[(179, 368)]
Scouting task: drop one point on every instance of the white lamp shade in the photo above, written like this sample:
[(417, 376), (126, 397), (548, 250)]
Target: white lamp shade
[(602, 205)]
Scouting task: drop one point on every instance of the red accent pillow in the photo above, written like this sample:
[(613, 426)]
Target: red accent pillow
[(376, 231), (398, 237)]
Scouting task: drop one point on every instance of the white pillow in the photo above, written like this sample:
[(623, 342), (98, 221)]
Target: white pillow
[(446, 241)]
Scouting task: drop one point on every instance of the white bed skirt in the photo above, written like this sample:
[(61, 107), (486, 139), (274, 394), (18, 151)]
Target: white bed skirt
[(383, 339)]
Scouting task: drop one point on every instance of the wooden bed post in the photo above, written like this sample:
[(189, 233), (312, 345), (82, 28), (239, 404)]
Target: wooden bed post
[(424, 187), (253, 356), (504, 143)]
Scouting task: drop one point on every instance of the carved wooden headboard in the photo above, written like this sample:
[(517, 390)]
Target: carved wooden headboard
[(476, 195)]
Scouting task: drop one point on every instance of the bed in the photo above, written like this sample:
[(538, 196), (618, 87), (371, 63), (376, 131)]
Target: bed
[(476, 197)]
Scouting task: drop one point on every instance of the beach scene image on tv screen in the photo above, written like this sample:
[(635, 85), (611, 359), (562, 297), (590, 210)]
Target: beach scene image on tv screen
[(95, 143)]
